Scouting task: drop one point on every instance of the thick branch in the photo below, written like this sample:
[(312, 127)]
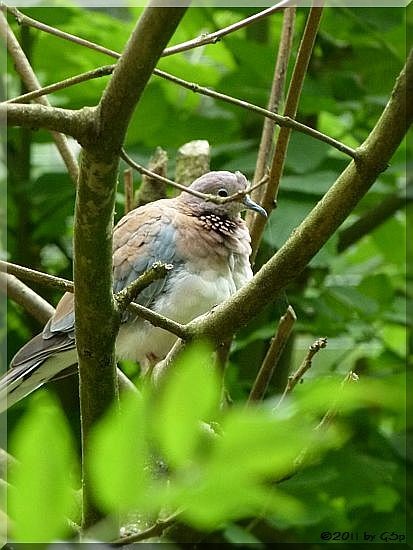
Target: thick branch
[(66, 121), (97, 317), (323, 220)]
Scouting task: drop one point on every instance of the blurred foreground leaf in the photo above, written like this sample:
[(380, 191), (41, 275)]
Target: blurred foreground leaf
[(41, 497)]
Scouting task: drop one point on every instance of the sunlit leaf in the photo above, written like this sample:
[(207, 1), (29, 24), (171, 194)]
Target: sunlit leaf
[(190, 395), (117, 457), (41, 497)]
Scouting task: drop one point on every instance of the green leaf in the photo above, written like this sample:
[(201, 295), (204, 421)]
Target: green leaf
[(117, 457), (305, 153), (232, 482), (41, 497), (191, 395), (395, 338)]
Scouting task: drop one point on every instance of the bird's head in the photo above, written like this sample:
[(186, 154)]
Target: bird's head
[(221, 184)]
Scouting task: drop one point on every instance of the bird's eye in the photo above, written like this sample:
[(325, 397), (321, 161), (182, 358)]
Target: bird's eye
[(222, 193)]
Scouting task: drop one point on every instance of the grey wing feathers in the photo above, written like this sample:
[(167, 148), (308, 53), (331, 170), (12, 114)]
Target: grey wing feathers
[(139, 242), (141, 238)]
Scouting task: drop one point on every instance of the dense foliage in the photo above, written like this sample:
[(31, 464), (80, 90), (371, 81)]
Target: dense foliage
[(352, 477)]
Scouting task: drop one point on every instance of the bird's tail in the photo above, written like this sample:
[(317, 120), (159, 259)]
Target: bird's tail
[(20, 381)]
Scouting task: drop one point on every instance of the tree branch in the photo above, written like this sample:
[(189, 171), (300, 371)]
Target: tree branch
[(273, 355), (132, 72), (74, 123), (142, 170), (23, 295), (283, 121), (154, 530), (37, 277), (23, 19), (97, 318), (41, 310), (31, 82), (370, 220), (321, 223), (214, 37), (276, 94), (269, 196), (210, 38), (51, 281), (62, 84), (293, 380), (128, 294)]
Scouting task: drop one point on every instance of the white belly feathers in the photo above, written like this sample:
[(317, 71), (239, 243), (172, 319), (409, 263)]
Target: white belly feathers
[(193, 295)]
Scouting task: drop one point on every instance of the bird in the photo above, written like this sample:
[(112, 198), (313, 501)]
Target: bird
[(208, 246)]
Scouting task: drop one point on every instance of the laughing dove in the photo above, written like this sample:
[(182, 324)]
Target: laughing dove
[(208, 246)]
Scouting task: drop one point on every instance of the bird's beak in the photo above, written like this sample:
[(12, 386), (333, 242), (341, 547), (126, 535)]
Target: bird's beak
[(251, 205)]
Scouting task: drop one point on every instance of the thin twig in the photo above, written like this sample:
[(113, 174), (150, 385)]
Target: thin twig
[(151, 189), (51, 281), (128, 188), (23, 19), (142, 170), (277, 90), (211, 38), (291, 105), (216, 36), (31, 82), (333, 410), (66, 83), (37, 277), (283, 121), (160, 321), (293, 380), (154, 530), (205, 196), (23, 295), (273, 355), (157, 271)]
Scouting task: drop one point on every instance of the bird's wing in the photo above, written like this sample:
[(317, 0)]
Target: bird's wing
[(142, 237)]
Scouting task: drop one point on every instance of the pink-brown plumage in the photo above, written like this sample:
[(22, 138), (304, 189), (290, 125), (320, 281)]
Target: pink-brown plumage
[(208, 245)]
